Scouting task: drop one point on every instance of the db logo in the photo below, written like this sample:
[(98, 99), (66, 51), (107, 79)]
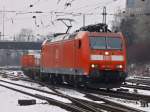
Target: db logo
[(107, 58)]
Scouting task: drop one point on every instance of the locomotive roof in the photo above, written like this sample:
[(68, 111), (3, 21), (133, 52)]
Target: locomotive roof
[(100, 27), (74, 35), (60, 37), (90, 29)]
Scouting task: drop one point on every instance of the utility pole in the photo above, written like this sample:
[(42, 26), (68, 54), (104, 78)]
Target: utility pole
[(8, 57), (84, 17), (0, 35), (83, 20), (3, 22), (104, 15)]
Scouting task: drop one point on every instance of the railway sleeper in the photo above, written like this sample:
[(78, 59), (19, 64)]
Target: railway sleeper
[(24, 102)]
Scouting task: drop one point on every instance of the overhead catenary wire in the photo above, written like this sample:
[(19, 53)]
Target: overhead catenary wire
[(100, 6), (17, 12), (52, 13), (74, 14), (55, 13), (91, 6)]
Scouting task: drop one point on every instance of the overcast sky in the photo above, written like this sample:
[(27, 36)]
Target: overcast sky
[(15, 21)]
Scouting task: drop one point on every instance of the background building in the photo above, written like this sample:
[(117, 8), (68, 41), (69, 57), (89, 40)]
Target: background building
[(138, 6)]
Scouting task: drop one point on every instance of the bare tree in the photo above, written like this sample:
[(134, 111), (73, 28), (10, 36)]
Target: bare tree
[(25, 35)]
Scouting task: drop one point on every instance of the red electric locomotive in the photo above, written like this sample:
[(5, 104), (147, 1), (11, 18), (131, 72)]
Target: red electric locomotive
[(92, 56)]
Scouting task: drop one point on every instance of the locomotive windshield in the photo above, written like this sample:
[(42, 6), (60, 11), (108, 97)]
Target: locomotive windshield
[(113, 43), (105, 43), (98, 43)]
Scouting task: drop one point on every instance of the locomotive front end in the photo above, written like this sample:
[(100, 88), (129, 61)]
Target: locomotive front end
[(107, 59)]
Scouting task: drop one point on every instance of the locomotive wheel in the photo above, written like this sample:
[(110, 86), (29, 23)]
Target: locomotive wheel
[(75, 82), (44, 77), (69, 80), (63, 79), (58, 79), (53, 79)]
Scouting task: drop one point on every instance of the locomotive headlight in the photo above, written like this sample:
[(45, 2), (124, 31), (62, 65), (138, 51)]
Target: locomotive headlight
[(119, 66), (106, 53), (94, 66)]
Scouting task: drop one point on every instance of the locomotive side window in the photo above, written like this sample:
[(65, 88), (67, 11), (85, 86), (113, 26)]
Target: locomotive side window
[(114, 43), (98, 42)]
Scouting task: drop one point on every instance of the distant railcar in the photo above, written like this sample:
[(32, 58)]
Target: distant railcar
[(27, 61), (30, 64)]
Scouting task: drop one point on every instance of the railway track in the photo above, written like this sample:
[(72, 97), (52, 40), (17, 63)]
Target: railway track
[(136, 86), (122, 95), (78, 105), (139, 81), (116, 94), (111, 93), (95, 98), (67, 106)]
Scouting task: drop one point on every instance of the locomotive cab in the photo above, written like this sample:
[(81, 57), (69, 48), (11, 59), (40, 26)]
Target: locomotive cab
[(107, 59)]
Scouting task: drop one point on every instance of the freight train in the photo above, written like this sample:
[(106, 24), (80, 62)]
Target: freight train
[(92, 56)]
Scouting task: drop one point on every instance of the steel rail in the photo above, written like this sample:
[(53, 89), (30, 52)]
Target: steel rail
[(69, 107), (91, 106)]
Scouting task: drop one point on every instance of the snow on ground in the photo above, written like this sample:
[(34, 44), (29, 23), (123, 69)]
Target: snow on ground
[(132, 104), (9, 103), (139, 91), (26, 83), (75, 94), (129, 103), (9, 99), (36, 92), (139, 77), (130, 89)]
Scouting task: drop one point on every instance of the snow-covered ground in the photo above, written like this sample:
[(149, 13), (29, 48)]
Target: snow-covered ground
[(9, 103), (9, 99), (139, 91), (73, 93), (131, 103), (37, 92), (76, 94), (25, 83), (134, 104)]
